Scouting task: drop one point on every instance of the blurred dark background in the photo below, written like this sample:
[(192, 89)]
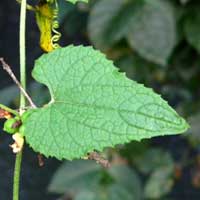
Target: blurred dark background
[(157, 43)]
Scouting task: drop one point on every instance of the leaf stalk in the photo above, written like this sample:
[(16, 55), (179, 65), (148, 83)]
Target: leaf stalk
[(10, 110)]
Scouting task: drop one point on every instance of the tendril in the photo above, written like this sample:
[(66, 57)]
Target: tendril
[(55, 25), (47, 20)]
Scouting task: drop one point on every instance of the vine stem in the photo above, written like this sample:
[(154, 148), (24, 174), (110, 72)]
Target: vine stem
[(16, 179), (22, 34), (22, 47)]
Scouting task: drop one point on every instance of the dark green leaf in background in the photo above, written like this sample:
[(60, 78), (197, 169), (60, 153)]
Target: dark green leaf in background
[(153, 159), (153, 31), (89, 195), (159, 184), (73, 177), (149, 26), (192, 28), (194, 132), (101, 20), (127, 178), (75, 1), (83, 179)]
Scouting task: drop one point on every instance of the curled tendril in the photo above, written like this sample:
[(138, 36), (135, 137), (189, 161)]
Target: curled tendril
[(47, 20), (55, 25)]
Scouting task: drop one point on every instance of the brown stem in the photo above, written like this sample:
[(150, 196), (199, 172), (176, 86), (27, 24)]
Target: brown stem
[(99, 159), (8, 69)]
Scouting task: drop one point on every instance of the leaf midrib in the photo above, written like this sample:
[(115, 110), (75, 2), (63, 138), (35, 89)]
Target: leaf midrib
[(115, 109)]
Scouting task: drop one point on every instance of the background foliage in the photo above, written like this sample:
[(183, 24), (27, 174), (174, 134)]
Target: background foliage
[(156, 42)]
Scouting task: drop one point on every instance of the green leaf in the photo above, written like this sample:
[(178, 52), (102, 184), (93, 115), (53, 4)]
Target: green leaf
[(76, 176), (194, 136), (84, 180), (119, 192), (75, 1), (126, 178), (153, 31), (108, 22), (149, 26), (114, 192), (93, 106), (89, 195), (192, 28), (154, 159), (159, 184)]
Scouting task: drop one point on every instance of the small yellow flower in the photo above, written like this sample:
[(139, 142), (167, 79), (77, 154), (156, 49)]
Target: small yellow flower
[(18, 144)]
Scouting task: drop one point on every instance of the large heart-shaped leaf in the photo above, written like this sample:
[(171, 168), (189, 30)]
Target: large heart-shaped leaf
[(93, 106)]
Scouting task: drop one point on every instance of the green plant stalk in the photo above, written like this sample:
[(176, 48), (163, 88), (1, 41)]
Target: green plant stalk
[(16, 179), (9, 110), (22, 52), (22, 33)]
